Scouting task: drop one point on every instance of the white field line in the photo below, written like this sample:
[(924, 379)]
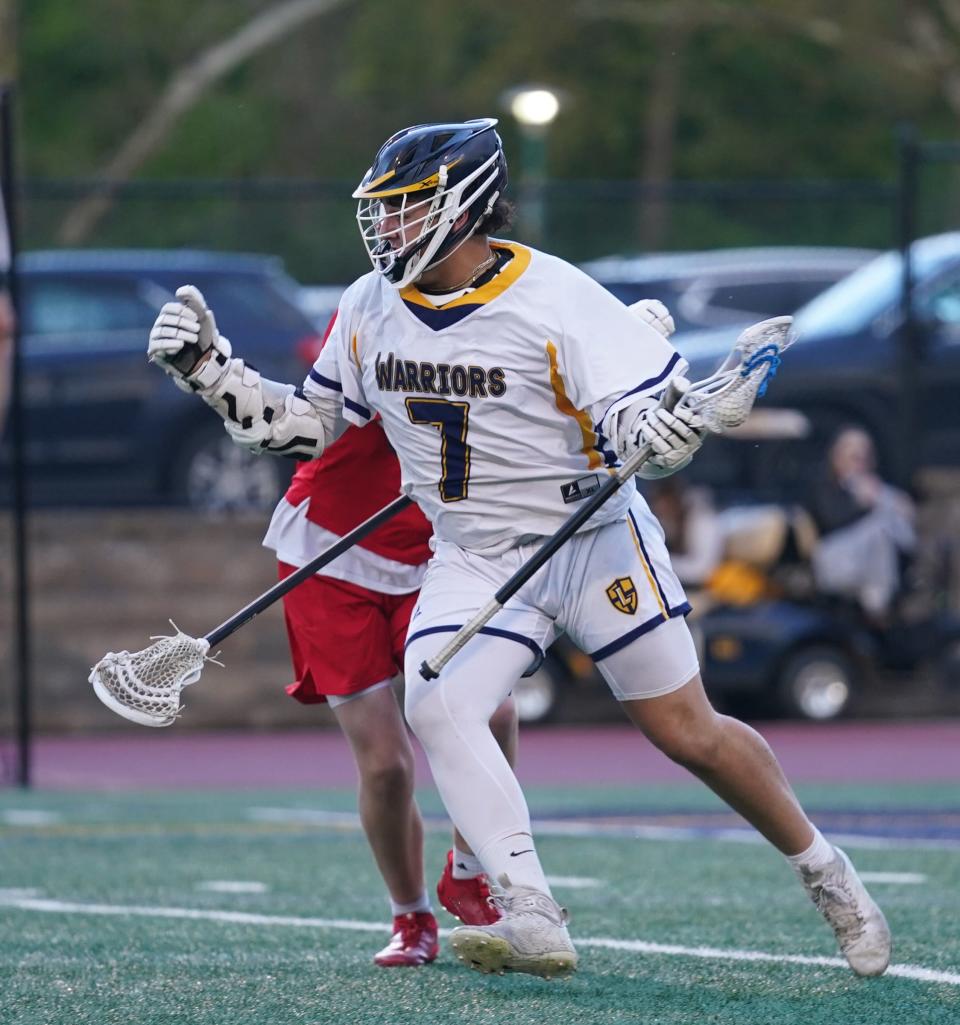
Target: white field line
[(574, 882), (909, 878), (586, 830), (232, 886), (28, 817), (305, 816), (902, 971)]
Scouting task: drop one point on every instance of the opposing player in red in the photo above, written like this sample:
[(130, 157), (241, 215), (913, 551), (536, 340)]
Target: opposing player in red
[(346, 629)]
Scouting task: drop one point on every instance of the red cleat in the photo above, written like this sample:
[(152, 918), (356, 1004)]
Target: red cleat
[(466, 899), (414, 942)]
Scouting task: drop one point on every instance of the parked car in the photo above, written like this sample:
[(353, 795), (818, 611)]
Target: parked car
[(102, 425), (723, 287), (319, 302), (768, 639), (845, 367)]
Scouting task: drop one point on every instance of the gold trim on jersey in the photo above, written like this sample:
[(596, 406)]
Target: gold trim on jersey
[(647, 569), (587, 433), (356, 354), (494, 287)]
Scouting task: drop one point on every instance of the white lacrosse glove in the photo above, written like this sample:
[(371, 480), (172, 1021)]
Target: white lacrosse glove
[(654, 313), (674, 437), (183, 335)]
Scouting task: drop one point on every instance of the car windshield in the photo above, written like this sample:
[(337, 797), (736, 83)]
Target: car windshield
[(247, 301), (857, 300), (96, 312), (851, 304)]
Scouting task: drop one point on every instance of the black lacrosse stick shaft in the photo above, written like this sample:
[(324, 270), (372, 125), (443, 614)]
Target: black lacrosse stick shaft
[(570, 526), (574, 522), (278, 590)]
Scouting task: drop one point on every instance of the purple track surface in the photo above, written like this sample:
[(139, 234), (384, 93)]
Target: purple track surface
[(152, 759)]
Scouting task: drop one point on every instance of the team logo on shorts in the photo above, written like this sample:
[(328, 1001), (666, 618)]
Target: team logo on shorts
[(623, 595)]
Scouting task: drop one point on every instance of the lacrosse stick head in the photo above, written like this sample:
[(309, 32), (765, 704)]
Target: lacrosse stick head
[(724, 400), (144, 686)]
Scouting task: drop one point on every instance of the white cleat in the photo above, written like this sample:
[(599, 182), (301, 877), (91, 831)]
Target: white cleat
[(859, 925), (530, 937)]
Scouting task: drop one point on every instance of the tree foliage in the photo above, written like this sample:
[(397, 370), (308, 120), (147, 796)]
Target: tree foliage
[(655, 89)]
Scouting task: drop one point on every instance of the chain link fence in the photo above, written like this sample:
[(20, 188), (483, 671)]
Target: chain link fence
[(310, 224)]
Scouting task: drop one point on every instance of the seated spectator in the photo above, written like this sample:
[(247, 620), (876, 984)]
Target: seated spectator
[(865, 525)]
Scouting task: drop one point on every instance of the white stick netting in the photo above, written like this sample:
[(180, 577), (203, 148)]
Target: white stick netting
[(725, 399), (145, 686)]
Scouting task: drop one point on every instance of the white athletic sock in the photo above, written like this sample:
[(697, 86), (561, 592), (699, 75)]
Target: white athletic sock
[(515, 857), (466, 866), (421, 905), (819, 854)]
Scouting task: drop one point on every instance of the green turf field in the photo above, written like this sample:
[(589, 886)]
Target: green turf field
[(107, 915)]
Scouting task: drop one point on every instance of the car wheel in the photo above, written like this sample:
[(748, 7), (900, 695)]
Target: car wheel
[(538, 696), (214, 475), (817, 683)]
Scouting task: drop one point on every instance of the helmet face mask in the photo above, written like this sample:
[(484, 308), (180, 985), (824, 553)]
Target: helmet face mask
[(412, 201)]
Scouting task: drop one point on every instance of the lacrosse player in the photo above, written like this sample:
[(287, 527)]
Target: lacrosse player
[(346, 627), (510, 385)]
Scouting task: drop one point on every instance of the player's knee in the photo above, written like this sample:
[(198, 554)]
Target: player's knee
[(504, 720), (690, 743), (388, 776), (427, 714)]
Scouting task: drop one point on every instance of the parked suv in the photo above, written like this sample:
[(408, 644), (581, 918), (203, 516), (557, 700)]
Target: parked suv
[(102, 425), (723, 287), (845, 367)]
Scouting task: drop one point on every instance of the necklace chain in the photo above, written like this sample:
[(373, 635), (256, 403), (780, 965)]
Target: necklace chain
[(474, 274)]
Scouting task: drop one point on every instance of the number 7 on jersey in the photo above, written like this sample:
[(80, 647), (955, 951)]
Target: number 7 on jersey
[(451, 420)]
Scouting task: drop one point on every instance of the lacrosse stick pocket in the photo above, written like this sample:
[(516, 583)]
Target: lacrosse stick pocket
[(144, 686), (724, 400)]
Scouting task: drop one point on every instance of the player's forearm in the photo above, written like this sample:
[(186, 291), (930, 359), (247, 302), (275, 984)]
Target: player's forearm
[(259, 414), (264, 415)]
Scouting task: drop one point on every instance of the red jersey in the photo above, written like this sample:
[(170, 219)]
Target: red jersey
[(356, 476)]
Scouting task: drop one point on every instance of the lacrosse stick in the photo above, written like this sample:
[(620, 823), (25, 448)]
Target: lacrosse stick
[(145, 686), (723, 401)]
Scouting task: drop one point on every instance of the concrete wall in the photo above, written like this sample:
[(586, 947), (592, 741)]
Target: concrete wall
[(109, 580)]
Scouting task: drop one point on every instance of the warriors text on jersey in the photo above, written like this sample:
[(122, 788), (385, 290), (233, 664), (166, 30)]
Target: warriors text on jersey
[(495, 402)]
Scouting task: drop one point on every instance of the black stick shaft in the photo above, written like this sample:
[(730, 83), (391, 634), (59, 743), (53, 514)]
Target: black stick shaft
[(278, 590), (572, 524), (430, 668)]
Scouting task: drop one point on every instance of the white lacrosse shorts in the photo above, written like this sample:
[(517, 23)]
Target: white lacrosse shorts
[(612, 590)]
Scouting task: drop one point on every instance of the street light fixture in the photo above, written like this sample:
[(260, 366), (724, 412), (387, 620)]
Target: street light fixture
[(534, 107)]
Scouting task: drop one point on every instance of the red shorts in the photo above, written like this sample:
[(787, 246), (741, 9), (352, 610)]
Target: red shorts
[(343, 637)]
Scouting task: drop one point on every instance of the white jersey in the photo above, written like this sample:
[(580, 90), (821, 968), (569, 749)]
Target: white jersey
[(496, 402)]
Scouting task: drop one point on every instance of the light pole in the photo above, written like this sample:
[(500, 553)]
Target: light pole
[(534, 107)]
